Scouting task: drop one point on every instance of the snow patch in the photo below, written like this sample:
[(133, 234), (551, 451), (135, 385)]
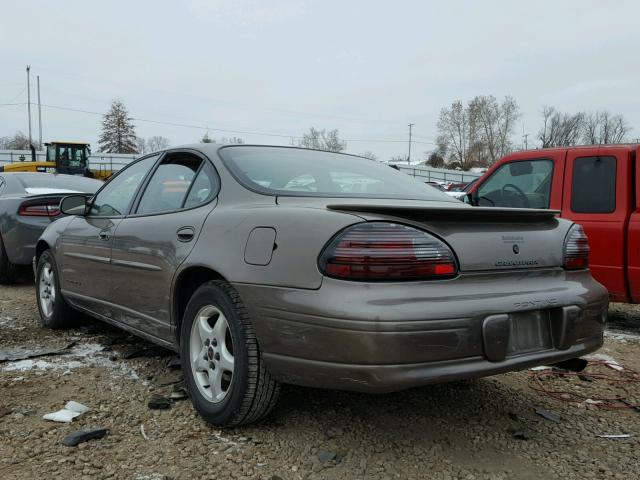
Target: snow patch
[(80, 356), (621, 336)]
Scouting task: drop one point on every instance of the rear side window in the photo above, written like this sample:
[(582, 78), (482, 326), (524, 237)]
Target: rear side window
[(202, 189), (593, 187), (171, 183)]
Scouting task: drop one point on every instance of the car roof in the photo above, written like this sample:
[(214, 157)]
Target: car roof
[(212, 148), (628, 146)]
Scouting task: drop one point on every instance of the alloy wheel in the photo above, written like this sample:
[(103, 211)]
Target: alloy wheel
[(211, 353), (47, 289)]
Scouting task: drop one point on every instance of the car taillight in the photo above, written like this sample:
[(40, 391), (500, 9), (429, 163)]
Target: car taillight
[(576, 249), (49, 208), (386, 251)]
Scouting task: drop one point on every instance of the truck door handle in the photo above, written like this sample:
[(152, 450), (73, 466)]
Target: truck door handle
[(186, 234), (104, 235)]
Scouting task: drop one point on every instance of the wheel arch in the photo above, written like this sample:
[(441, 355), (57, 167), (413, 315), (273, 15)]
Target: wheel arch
[(185, 285), (41, 247)]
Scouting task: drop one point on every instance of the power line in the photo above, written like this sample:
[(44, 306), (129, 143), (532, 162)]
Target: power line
[(223, 130), (15, 98)]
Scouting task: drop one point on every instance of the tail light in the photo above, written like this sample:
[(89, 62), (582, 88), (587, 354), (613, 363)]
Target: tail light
[(386, 251), (40, 208), (576, 249)]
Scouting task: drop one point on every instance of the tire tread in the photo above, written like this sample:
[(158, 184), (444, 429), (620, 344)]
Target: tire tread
[(262, 390)]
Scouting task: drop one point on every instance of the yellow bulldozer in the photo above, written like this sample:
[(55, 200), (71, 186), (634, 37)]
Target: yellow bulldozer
[(71, 158)]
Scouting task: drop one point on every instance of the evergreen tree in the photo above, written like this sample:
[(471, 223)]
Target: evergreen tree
[(118, 133)]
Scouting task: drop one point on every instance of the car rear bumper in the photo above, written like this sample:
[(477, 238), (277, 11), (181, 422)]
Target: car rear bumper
[(22, 236), (380, 337)]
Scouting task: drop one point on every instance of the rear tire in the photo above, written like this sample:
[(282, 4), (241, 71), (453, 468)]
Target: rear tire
[(221, 360), (8, 271), (55, 312)]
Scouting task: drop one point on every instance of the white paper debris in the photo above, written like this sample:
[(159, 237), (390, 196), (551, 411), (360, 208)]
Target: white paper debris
[(609, 360), (70, 411), (541, 367), (623, 435), (76, 407), (62, 416)]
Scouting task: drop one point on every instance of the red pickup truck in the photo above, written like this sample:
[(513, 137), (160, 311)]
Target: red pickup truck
[(595, 186)]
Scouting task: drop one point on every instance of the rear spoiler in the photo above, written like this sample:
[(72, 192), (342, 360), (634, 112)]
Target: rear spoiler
[(451, 213)]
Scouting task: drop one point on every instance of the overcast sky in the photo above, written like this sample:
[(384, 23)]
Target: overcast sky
[(367, 68)]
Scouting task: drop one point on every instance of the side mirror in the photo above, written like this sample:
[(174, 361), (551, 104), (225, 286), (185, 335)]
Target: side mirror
[(468, 198), (74, 205)]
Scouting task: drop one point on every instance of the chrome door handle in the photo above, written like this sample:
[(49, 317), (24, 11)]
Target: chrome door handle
[(104, 235), (185, 234)]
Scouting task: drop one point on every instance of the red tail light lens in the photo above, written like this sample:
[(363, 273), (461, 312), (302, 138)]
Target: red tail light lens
[(387, 251), (576, 249), (40, 208)]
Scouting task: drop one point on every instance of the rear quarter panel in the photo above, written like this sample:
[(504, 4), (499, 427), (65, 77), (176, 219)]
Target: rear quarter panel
[(301, 234)]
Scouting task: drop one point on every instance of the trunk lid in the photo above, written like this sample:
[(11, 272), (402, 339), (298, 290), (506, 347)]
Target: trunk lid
[(481, 238)]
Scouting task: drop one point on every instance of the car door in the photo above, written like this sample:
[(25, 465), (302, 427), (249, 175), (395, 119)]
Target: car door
[(597, 195), (155, 239), (85, 245)]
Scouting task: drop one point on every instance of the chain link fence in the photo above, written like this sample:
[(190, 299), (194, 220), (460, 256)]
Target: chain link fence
[(427, 174)]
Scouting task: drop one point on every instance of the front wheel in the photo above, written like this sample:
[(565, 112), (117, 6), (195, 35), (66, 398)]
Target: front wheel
[(223, 368), (55, 312)]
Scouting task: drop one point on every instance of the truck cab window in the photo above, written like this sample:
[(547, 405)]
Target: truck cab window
[(593, 186), (519, 184)]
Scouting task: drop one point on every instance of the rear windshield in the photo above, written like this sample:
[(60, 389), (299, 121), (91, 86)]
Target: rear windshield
[(48, 181), (311, 173)]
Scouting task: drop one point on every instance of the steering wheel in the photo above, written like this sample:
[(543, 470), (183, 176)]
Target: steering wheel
[(523, 197)]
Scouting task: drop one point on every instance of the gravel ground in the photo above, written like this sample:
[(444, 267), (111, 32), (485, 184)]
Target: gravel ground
[(483, 429)]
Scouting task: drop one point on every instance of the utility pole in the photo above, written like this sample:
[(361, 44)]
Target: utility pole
[(525, 136), (39, 117), (29, 101), (409, 157)]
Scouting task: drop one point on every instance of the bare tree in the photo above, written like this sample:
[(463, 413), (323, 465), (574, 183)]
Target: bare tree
[(603, 128), (560, 129), (323, 140), (435, 160), (157, 142), (118, 133), (369, 154), (493, 123), (19, 141), (455, 133), (141, 146)]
